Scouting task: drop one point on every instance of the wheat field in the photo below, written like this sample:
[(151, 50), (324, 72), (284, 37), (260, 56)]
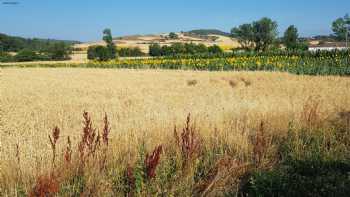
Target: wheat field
[(146, 104)]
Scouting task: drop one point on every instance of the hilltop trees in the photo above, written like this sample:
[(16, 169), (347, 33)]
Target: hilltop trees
[(339, 27), (259, 34), (173, 35)]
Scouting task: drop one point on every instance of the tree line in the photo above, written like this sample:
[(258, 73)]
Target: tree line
[(55, 51), (33, 49)]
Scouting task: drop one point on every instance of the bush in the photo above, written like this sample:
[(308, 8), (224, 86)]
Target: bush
[(215, 49), (59, 51), (155, 50), (26, 55), (180, 49), (303, 178), (5, 57), (311, 165), (100, 53), (130, 52), (173, 35)]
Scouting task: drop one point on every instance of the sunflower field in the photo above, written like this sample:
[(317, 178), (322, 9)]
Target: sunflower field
[(326, 63)]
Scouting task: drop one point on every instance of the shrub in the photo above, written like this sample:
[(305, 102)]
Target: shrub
[(100, 53), (130, 52), (173, 35), (302, 178), (155, 50), (59, 51), (5, 57), (26, 55), (215, 49), (311, 164)]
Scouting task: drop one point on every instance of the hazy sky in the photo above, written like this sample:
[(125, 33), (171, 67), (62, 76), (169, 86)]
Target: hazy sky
[(84, 20)]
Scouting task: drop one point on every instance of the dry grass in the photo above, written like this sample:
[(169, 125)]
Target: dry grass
[(144, 105)]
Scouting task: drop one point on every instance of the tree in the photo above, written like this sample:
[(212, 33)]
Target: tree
[(290, 38), (259, 34), (339, 27), (100, 53), (178, 48), (215, 49), (130, 52), (26, 55), (155, 50), (59, 51), (265, 32), (107, 37), (244, 34), (173, 35)]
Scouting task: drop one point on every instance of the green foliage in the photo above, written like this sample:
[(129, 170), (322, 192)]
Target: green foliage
[(130, 52), (5, 57), (206, 32), (179, 49), (259, 34), (245, 35), (107, 37), (303, 178), (313, 162), (155, 50), (59, 51), (173, 35), (15, 44), (215, 49), (290, 38), (265, 32), (33, 49), (339, 27), (100, 53), (26, 55)]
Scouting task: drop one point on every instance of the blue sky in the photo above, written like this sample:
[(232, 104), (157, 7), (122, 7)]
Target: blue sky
[(84, 20)]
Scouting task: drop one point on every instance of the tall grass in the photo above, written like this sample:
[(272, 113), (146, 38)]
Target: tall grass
[(309, 160)]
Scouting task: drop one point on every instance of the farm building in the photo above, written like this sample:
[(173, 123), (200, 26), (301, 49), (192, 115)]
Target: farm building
[(327, 46)]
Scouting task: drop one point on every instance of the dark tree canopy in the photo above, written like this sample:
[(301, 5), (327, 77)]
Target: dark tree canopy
[(107, 37), (290, 38), (339, 27), (244, 34), (173, 35), (259, 34), (265, 32), (15, 44)]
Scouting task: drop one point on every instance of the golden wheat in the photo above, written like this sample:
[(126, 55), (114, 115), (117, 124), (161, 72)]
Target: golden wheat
[(145, 104)]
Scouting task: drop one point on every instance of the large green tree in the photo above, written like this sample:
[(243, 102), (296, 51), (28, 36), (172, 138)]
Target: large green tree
[(339, 27), (259, 34), (290, 38), (265, 33), (244, 34), (107, 37)]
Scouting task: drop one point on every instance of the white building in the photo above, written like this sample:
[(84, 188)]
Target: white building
[(328, 46)]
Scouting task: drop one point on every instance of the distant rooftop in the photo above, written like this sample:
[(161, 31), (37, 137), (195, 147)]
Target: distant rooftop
[(327, 45)]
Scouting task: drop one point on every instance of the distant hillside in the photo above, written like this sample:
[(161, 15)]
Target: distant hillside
[(205, 32), (15, 43)]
